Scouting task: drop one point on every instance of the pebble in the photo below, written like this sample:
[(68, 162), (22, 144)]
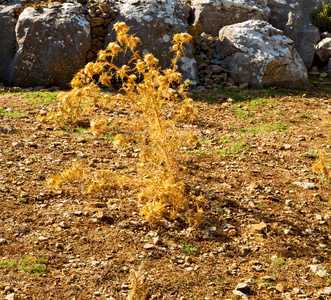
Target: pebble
[(189, 269), (261, 227), (42, 238), (95, 263), (149, 246), (305, 185), (10, 296), (63, 225), (327, 291), (240, 294), (244, 286), (318, 270), (3, 242)]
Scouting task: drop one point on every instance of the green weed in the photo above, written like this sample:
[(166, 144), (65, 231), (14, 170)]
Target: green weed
[(189, 249), (11, 264), (322, 17), (13, 115), (278, 261), (261, 128), (186, 282), (33, 265), (41, 98)]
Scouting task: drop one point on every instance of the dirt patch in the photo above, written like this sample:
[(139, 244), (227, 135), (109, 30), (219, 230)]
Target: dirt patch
[(261, 228)]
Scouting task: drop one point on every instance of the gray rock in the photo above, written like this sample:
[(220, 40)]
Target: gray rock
[(240, 294), (323, 49), (260, 55), (305, 185), (215, 14), (155, 23), (7, 41), (244, 286), (52, 45), (318, 270), (327, 291), (3, 242), (294, 18), (10, 296)]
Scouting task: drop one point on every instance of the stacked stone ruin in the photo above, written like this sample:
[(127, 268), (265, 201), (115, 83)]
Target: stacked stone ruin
[(46, 45)]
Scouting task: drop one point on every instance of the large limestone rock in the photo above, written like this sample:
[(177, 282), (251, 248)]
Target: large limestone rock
[(7, 40), (215, 14), (52, 45), (323, 49), (155, 23), (259, 54), (294, 18)]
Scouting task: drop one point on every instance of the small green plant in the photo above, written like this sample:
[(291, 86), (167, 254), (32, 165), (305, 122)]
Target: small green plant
[(189, 249), (278, 261), (244, 114), (268, 282), (41, 98), (13, 115), (11, 264), (322, 17), (234, 95), (269, 127), (33, 265), (186, 283)]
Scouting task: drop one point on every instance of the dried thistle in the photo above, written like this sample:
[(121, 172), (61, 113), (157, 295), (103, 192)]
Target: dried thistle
[(138, 286), (148, 93), (321, 167)]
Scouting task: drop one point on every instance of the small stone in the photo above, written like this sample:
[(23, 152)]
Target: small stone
[(233, 88), (3, 242), (323, 75), (100, 215), (327, 291), (188, 259), (42, 238), (10, 296), (156, 240), (9, 110), (305, 185), (95, 263), (240, 294), (189, 269), (280, 288), (63, 225), (261, 227), (149, 246), (97, 293), (318, 270), (243, 286), (243, 86), (77, 213)]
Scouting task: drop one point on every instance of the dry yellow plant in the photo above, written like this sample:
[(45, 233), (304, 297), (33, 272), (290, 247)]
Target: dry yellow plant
[(157, 98), (138, 286), (321, 165)]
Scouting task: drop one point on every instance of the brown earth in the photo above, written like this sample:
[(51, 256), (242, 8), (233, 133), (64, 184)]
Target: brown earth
[(258, 225)]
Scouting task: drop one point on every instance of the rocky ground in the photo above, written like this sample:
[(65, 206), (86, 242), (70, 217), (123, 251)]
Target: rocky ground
[(266, 231)]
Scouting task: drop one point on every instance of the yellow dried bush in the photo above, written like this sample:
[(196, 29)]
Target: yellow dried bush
[(321, 165), (157, 100)]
